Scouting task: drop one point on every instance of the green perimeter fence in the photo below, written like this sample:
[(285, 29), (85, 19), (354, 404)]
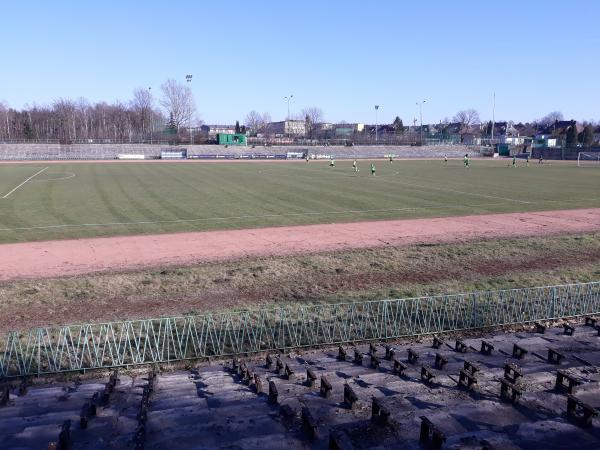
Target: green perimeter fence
[(103, 345)]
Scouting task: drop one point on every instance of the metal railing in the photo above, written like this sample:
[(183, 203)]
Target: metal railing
[(91, 346)]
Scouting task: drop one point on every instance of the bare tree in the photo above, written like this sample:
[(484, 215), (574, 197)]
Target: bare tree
[(551, 118), (253, 121), (65, 110), (311, 116), (314, 113), (178, 101), (4, 120), (82, 108), (466, 118), (142, 105), (68, 120), (266, 120)]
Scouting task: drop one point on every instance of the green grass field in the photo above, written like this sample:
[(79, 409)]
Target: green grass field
[(90, 199)]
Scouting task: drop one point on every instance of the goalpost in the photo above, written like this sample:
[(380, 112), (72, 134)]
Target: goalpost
[(588, 159)]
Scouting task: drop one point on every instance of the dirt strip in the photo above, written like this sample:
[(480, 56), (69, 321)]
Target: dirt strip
[(80, 256)]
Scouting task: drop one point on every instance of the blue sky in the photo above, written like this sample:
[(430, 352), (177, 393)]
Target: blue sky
[(343, 56)]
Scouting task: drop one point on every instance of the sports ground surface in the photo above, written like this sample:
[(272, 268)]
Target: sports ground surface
[(58, 201), (87, 242)]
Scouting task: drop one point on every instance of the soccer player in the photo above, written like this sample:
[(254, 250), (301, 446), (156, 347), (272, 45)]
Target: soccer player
[(354, 166), (391, 159), (445, 160), (372, 169), (332, 162), (306, 156), (541, 160), (466, 160), (527, 161), (514, 161)]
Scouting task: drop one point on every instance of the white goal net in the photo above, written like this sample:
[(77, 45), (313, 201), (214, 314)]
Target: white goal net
[(588, 159)]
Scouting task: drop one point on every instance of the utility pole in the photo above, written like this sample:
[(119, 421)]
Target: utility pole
[(376, 134)]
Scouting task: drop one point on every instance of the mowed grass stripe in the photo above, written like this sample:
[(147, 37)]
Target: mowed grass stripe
[(188, 196), (410, 191), (152, 196), (214, 190), (12, 176), (348, 194), (520, 182), (110, 200), (150, 210), (354, 187)]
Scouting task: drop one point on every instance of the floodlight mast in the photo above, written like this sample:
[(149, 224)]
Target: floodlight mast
[(188, 78), (493, 118), (288, 114), (376, 133), (151, 117), (420, 105), (288, 104)]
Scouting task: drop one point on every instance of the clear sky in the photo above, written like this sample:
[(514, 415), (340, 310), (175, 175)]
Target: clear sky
[(343, 56)]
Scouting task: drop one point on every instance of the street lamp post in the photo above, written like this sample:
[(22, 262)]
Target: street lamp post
[(188, 78), (376, 133), (420, 104)]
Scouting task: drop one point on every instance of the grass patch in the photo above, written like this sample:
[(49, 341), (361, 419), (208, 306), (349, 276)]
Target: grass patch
[(355, 275), (140, 198)]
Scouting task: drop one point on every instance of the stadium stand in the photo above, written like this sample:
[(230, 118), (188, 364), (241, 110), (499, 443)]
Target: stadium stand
[(481, 393), (20, 152)]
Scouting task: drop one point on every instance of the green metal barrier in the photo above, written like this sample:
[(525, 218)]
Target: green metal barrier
[(91, 346)]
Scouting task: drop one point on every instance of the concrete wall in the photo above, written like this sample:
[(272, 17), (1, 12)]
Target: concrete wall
[(110, 151)]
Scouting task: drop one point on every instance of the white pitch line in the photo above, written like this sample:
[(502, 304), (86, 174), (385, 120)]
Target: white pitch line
[(264, 216), (261, 216), (68, 177), (390, 178), (32, 176), (445, 189)]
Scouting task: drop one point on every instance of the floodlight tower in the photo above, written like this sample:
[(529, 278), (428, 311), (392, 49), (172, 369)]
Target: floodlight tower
[(420, 105), (151, 116), (287, 99), (188, 79), (376, 134), (493, 118)]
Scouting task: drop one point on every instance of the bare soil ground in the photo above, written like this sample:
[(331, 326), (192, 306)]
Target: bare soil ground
[(37, 260), (342, 275)]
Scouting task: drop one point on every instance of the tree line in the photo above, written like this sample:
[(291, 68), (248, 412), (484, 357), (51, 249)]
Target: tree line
[(66, 120), (144, 119)]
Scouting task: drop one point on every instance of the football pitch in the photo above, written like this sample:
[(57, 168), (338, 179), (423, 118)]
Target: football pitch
[(43, 201)]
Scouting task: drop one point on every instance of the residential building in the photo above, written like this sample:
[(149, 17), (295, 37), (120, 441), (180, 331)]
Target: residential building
[(287, 128), (348, 129), (213, 130), (525, 129), (547, 140)]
